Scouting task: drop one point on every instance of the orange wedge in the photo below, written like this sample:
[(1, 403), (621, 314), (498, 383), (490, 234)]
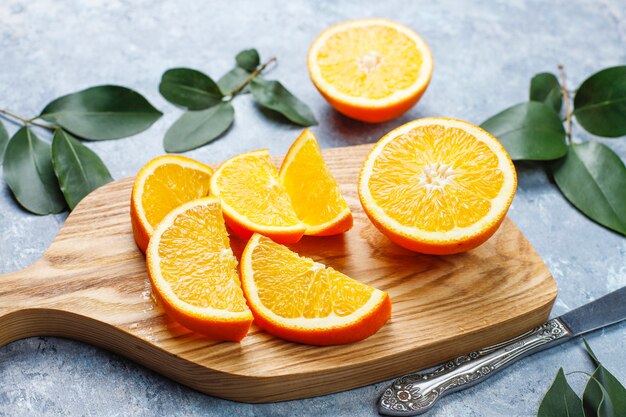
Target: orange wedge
[(162, 185), (194, 272), (297, 299), (314, 193), (372, 69), (437, 186), (253, 199)]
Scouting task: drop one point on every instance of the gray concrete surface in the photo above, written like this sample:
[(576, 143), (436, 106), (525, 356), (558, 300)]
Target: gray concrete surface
[(485, 53)]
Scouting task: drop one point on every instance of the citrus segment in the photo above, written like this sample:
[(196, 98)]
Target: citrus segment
[(253, 199), (161, 185), (298, 299), (194, 272), (314, 193), (371, 69), (437, 186)]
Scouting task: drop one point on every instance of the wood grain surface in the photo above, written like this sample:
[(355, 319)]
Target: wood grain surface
[(91, 285)]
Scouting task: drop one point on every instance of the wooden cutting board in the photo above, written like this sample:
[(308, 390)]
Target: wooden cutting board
[(91, 285)]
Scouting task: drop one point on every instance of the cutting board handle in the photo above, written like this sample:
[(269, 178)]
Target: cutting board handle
[(17, 288), (27, 298), (44, 300)]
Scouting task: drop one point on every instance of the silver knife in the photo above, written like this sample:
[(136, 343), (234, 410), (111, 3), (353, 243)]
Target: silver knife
[(416, 393)]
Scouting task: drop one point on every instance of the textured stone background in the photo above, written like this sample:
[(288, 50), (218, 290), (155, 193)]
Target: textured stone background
[(485, 53)]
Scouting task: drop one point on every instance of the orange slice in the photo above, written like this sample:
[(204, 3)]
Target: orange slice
[(372, 69), (194, 272), (437, 186), (253, 199), (298, 299), (314, 193), (162, 185)]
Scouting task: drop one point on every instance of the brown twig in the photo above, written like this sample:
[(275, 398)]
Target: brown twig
[(256, 72), (568, 115), (26, 121)]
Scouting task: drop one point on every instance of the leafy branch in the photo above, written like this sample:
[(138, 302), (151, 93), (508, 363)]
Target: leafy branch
[(209, 110), (250, 77), (603, 396), (50, 177), (589, 174), (26, 121)]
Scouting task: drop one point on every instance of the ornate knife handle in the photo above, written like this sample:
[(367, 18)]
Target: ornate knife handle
[(416, 393)]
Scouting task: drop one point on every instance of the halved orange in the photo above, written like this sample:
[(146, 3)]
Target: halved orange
[(161, 185), (314, 193), (253, 199), (371, 69), (437, 186), (297, 299), (194, 272)]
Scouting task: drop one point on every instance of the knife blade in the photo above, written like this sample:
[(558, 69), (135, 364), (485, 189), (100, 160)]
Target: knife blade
[(416, 393), (602, 312)]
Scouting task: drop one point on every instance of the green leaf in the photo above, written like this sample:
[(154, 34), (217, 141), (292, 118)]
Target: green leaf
[(560, 400), (4, 140), (605, 395), (530, 130), (233, 79), (592, 355), (29, 174), (545, 88), (248, 59), (197, 128), (600, 103), (102, 112), (614, 390), (190, 88), (593, 178), (78, 169), (274, 96), (596, 401)]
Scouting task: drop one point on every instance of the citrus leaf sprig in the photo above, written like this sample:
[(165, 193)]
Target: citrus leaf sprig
[(603, 396), (589, 174), (208, 103), (48, 178)]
